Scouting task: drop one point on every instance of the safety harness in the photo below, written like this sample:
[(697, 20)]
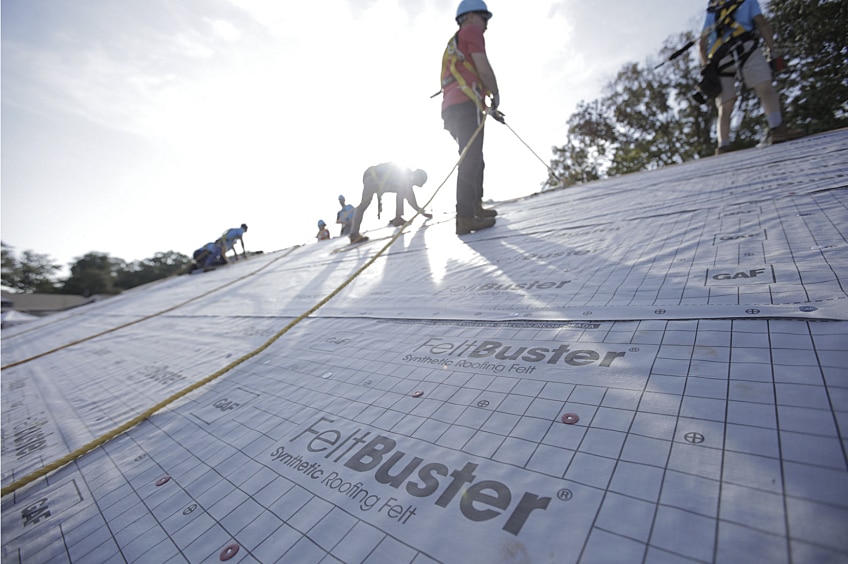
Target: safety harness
[(731, 37), (452, 57), (227, 243)]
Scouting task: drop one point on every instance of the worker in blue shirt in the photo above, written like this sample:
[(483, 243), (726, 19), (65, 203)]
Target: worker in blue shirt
[(228, 240), (730, 41), (208, 256), (345, 216)]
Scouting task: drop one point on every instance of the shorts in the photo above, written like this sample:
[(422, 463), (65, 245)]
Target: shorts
[(755, 71)]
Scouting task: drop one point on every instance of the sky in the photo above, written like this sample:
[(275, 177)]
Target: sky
[(131, 127)]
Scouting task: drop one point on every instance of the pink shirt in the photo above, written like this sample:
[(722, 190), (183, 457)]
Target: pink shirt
[(470, 40)]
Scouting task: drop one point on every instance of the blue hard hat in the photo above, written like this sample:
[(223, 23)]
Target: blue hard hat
[(321, 223), (468, 6), (341, 197)]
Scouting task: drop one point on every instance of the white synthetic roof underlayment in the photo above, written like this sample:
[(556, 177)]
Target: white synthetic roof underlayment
[(650, 368)]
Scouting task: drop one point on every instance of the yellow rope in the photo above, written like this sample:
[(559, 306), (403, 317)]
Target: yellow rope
[(101, 440)]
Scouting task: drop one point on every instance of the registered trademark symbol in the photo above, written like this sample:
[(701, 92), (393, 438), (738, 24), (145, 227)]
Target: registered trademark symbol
[(752, 311), (564, 494), (694, 438), (483, 403), (190, 509), (634, 349)]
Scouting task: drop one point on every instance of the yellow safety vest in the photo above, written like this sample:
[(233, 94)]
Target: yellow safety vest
[(450, 59), (724, 19)]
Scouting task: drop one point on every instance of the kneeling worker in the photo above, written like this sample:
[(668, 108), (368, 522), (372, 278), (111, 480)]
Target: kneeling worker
[(323, 232), (208, 256)]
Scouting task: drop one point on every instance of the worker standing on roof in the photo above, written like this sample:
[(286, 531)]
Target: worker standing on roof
[(345, 216), (729, 41), (382, 178), (467, 81), (228, 240)]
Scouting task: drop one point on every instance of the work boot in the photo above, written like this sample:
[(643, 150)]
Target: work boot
[(723, 149), (483, 212), (358, 238), (397, 222), (782, 133), (468, 224)]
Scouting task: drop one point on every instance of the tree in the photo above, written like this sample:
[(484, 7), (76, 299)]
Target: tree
[(160, 266), (32, 273), (646, 122), (584, 156), (811, 34), (8, 261), (94, 273), (646, 119)]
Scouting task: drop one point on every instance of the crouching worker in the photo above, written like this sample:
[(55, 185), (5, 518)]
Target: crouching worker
[(382, 178), (208, 256), (228, 240), (323, 232)]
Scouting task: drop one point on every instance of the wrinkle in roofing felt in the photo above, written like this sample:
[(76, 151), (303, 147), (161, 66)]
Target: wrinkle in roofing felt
[(647, 368)]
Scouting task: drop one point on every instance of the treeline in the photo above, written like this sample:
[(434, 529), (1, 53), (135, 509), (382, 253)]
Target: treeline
[(647, 117), (93, 273)]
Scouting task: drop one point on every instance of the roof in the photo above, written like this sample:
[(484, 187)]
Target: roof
[(38, 303), (646, 368), (13, 317)]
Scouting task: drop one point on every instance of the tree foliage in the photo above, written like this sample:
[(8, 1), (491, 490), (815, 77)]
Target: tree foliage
[(93, 273), (647, 118), (811, 34), (98, 273), (33, 272), (161, 265)]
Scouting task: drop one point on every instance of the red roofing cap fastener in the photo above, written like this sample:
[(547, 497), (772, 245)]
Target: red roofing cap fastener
[(570, 418)]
